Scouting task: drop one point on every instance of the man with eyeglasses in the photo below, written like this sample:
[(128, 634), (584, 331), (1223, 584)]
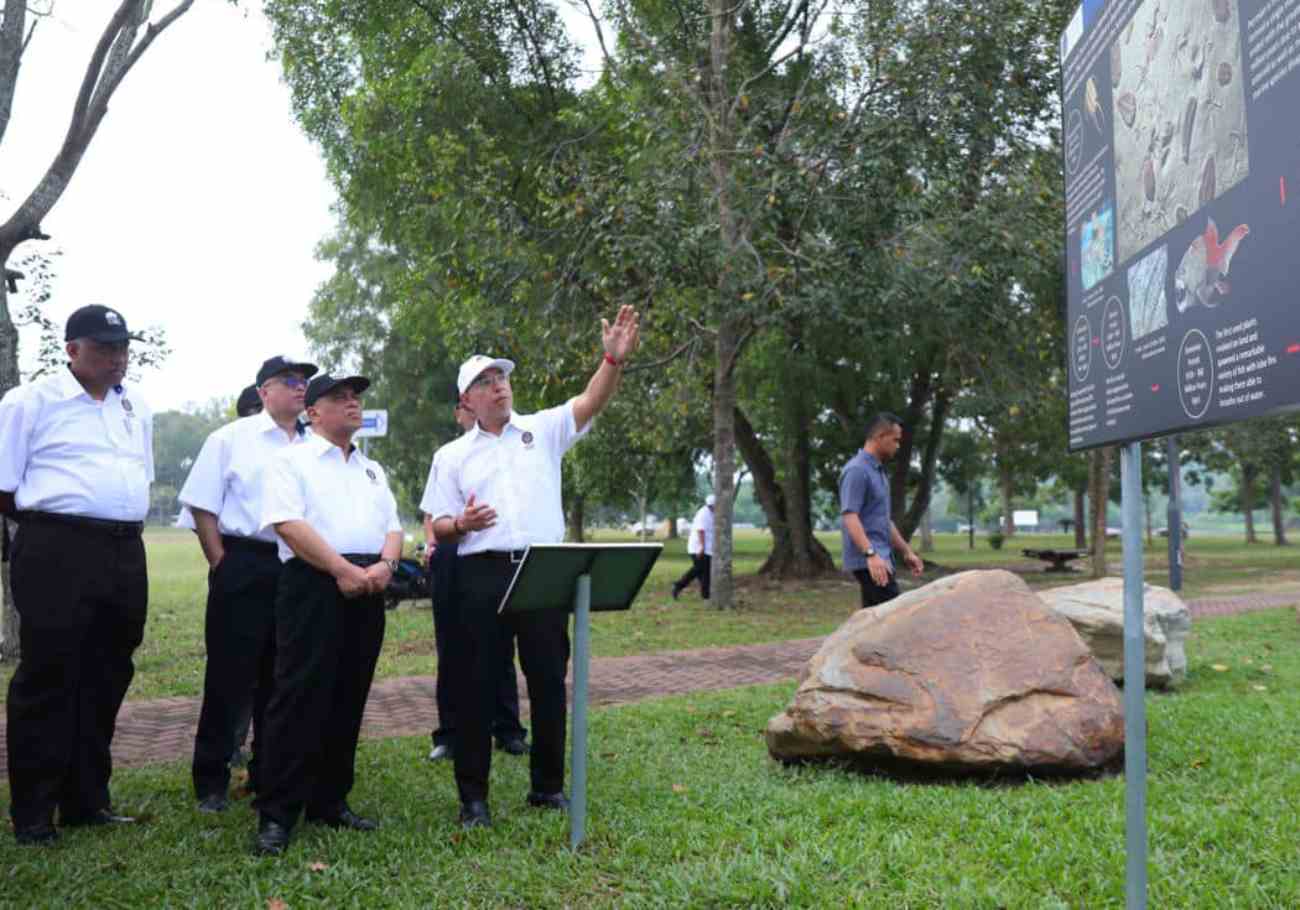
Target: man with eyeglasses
[(340, 539), (224, 494), (76, 462), (495, 491)]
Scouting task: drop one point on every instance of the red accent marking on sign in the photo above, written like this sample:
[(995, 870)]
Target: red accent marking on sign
[(1293, 349), (1281, 184), (1096, 342), (1156, 387)]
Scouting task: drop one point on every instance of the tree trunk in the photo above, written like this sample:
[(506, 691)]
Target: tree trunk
[(1005, 483), (1080, 520), (1099, 498), (1248, 476), (577, 531), (1275, 496), (796, 553), (929, 462), (730, 338), (9, 649), (1146, 505), (724, 463), (927, 533), (642, 502)]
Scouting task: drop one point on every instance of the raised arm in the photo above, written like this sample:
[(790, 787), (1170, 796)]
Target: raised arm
[(620, 341)]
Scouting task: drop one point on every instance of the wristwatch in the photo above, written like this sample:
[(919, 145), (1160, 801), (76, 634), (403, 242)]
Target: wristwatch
[(392, 565), (869, 552)]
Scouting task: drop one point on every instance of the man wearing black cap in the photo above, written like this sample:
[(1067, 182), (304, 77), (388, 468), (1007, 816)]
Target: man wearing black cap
[(495, 491), (76, 461), (224, 493), (340, 539)]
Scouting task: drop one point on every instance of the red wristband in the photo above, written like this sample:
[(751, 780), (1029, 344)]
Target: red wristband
[(611, 361)]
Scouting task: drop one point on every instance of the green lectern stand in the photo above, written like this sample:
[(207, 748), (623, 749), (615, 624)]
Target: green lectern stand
[(590, 576)]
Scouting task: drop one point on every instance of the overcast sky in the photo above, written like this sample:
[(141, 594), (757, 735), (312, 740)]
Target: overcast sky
[(199, 203)]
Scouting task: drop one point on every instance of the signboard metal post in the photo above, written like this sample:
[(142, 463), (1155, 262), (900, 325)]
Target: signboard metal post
[(1175, 514), (588, 577), (1135, 678), (581, 666)]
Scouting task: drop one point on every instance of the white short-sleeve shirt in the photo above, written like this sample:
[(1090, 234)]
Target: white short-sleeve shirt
[(226, 478), (703, 522), (345, 500), (62, 451), (516, 473)]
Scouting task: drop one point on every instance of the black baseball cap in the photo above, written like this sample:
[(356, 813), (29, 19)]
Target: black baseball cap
[(249, 402), (325, 383), (98, 323), (283, 364)]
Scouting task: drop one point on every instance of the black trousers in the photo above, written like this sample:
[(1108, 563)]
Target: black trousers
[(448, 637), (543, 638), (239, 630), (701, 566), (873, 594), (326, 648), (81, 598)]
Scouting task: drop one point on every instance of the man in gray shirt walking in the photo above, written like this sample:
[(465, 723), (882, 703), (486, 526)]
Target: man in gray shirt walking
[(869, 537)]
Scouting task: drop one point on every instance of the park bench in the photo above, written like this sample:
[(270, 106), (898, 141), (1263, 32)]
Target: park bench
[(1058, 559)]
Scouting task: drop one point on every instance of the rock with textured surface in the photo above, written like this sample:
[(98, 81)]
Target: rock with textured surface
[(969, 674), (1096, 608)]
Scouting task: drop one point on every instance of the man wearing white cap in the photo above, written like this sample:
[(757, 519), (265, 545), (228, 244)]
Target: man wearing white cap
[(496, 490), (699, 546)]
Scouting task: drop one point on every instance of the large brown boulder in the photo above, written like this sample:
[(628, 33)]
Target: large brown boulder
[(1096, 609), (969, 674)]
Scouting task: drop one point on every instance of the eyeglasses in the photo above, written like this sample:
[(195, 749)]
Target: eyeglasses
[(486, 380), (289, 382)]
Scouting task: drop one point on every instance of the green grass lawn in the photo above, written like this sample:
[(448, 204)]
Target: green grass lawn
[(688, 811), (170, 661)]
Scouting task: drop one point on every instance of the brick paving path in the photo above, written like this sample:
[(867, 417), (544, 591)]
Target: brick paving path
[(162, 729)]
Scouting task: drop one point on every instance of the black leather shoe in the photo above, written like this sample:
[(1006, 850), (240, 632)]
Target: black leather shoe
[(342, 818), (213, 803), (676, 592), (515, 745), (441, 752), (272, 838), (97, 818), (474, 814), (42, 835), (548, 801)]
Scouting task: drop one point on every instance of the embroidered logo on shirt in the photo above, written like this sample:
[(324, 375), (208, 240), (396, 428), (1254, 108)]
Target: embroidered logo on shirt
[(371, 474), (126, 405), (527, 438)]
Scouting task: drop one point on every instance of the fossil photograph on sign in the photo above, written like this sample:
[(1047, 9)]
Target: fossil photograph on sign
[(1179, 115), (1147, 310)]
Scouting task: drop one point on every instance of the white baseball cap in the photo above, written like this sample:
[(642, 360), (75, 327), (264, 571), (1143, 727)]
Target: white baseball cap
[(470, 369), (710, 499)]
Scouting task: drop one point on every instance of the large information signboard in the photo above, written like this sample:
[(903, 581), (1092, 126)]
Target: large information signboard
[(1182, 171)]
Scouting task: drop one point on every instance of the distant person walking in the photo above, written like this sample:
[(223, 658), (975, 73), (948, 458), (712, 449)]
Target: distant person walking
[(869, 537), (699, 546)]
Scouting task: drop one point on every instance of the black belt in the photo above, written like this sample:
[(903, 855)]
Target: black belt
[(364, 560), (251, 544), (98, 525), (507, 555)]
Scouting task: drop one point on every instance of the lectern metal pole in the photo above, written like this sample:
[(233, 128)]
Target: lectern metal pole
[(581, 663), (1135, 677)]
